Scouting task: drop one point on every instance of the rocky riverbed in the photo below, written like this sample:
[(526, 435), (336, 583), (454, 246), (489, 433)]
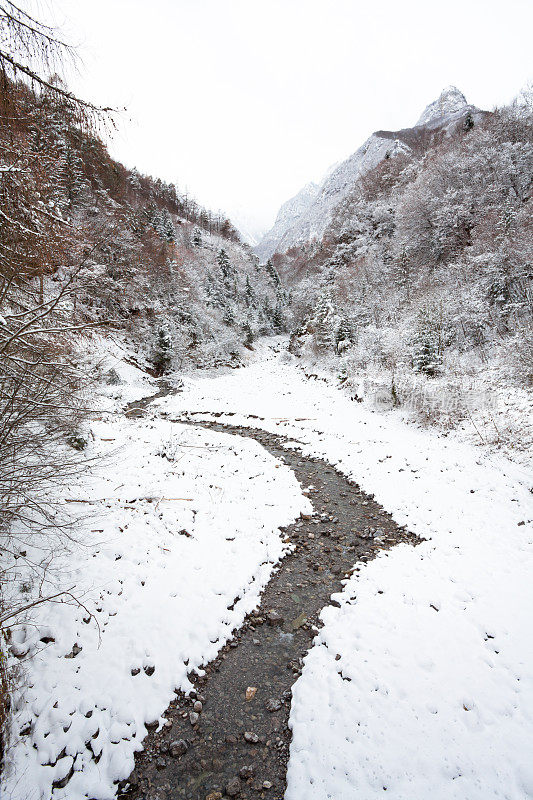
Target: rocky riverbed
[(230, 737)]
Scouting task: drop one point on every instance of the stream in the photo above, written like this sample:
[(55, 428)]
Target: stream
[(236, 743)]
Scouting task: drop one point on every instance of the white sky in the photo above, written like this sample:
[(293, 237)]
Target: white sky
[(242, 102)]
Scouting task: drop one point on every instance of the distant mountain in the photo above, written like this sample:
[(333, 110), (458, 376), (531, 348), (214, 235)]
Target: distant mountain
[(250, 232), (306, 216), (289, 216)]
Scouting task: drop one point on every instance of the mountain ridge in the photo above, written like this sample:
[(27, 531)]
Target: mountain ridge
[(305, 217)]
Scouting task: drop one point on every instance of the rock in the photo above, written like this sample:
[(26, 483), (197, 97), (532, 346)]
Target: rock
[(178, 747), (167, 723), (214, 796), (250, 737), (231, 739), (300, 620), (272, 704), (267, 785), (274, 618), (306, 516), (160, 763), (135, 670), (200, 698), (149, 670), (233, 788), (194, 717), (246, 773), (198, 706), (251, 691)]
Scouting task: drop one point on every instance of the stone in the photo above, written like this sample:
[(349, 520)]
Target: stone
[(194, 717), (233, 788), (197, 706), (267, 785), (274, 617), (250, 737), (178, 747), (246, 772), (214, 796), (306, 516), (272, 704), (160, 763), (251, 691)]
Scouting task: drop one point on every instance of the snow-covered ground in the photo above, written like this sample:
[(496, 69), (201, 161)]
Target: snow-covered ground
[(433, 691), (436, 642), (171, 536)]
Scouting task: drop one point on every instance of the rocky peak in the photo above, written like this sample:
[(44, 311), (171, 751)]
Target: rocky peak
[(450, 101)]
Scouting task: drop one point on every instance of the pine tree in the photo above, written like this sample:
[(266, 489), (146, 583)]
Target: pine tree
[(224, 263), (161, 356), (323, 323), (167, 229), (135, 179), (278, 320), (249, 294), (197, 238), (428, 343), (273, 273)]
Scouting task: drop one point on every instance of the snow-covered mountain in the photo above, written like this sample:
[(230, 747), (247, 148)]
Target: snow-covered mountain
[(306, 216), (289, 216)]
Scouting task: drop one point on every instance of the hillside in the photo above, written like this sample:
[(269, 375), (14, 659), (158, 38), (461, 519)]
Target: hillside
[(417, 288), (305, 217)]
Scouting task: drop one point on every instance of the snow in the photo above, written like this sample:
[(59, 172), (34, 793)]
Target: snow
[(450, 101), (435, 641), (433, 691), (180, 523), (308, 214)]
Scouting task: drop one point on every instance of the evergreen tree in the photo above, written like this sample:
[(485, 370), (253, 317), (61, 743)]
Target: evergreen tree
[(135, 179), (428, 342), (249, 294), (161, 356), (224, 263), (272, 273)]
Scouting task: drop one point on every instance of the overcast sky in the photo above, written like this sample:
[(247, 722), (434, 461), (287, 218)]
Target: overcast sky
[(242, 102)]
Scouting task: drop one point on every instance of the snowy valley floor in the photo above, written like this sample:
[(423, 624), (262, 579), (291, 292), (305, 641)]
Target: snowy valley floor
[(436, 639)]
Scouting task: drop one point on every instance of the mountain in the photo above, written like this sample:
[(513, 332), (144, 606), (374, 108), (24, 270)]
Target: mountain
[(450, 101), (289, 215), (306, 216)]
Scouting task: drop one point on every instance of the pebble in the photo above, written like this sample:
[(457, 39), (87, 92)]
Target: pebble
[(272, 704), (246, 772), (160, 763), (194, 717), (267, 785), (274, 618), (214, 796), (178, 748), (198, 706), (233, 788), (251, 737)]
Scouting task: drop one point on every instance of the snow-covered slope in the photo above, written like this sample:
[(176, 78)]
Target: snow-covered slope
[(450, 101), (306, 216), (289, 215)]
